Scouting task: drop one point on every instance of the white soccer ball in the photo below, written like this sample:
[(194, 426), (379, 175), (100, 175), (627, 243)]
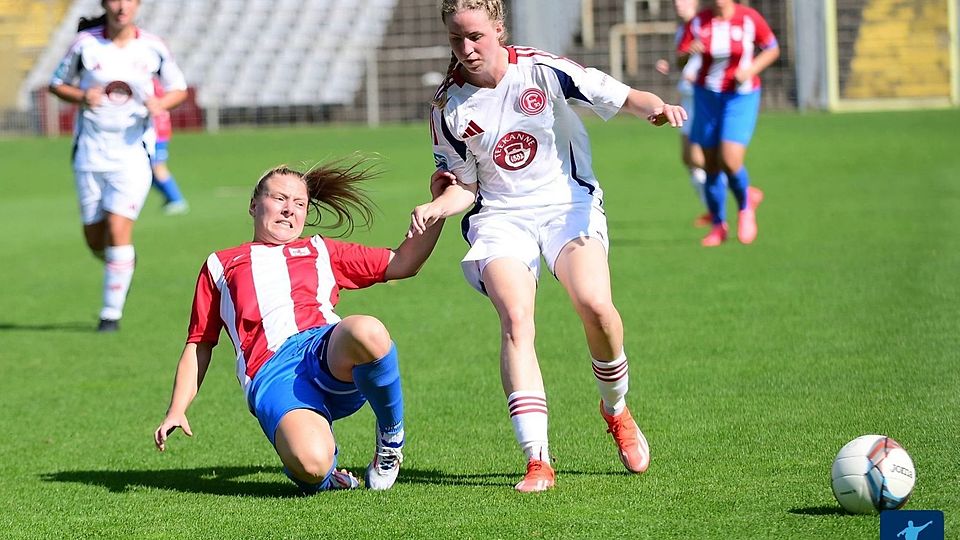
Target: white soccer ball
[(872, 473)]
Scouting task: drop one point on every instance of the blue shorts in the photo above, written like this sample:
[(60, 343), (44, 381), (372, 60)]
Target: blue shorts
[(161, 153), (724, 116), (293, 379)]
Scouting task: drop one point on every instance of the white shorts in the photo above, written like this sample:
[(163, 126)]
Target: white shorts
[(527, 234), (118, 192)]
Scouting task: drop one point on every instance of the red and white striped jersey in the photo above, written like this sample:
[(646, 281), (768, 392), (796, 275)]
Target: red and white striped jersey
[(264, 293), (108, 137), (521, 141), (730, 45)]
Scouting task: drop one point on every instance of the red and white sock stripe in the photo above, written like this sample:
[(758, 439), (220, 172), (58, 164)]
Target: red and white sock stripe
[(527, 402), (612, 371)]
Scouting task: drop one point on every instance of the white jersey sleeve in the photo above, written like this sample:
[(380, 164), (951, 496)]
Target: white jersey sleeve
[(68, 70), (587, 87), (450, 152), (170, 75)]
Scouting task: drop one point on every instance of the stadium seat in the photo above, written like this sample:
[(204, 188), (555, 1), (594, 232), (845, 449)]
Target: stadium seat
[(249, 53)]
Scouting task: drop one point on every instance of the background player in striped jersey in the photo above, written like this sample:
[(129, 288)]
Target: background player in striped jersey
[(503, 125), (163, 180), (726, 36), (302, 367), (108, 71)]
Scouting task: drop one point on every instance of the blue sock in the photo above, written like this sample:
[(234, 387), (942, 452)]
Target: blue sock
[(169, 188), (379, 382), (738, 185), (716, 194)]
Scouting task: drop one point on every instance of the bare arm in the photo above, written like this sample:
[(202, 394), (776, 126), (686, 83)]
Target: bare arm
[(168, 101), (193, 365), (453, 199), (407, 259), (72, 94), (761, 62), (650, 107)]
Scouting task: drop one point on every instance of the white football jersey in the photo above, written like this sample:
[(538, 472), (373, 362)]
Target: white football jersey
[(522, 142), (119, 130)]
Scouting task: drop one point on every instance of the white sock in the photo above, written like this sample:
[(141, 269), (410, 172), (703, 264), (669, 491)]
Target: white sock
[(698, 179), (528, 414), (612, 382), (117, 275), (394, 440)]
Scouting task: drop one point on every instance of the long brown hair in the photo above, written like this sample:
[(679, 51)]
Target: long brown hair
[(493, 8), (333, 188)]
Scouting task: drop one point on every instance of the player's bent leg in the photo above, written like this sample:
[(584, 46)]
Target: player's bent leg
[(95, 235), (307, 449), (360, 350), (582, 269)]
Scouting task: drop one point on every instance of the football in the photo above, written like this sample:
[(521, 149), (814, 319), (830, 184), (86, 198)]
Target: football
[(872, 473)]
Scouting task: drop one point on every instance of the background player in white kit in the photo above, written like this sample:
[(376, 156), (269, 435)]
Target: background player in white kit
[(302, 367), (503, 125), (108, 71)]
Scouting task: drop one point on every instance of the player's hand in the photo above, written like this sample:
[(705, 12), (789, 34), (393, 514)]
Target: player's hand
[(154, 107), (92, 97), (662, 66), (668, 114), (696, 47), (168, 426), (440, 180), (423, 217), (742, 75)]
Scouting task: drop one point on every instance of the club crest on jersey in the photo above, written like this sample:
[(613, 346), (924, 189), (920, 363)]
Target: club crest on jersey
[(515, 150), (118, 92), (532, 101), (299, 252)]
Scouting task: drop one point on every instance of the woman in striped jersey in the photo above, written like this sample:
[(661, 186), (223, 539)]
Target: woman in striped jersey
[(300, 366), (727, 37)]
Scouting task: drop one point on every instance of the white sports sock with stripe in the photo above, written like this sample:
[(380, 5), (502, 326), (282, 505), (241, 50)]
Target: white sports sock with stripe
[(612, 382), (698, 179), (528, 414), (117, 275)]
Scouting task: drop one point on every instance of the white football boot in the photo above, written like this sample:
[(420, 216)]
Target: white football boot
[(383, 470)]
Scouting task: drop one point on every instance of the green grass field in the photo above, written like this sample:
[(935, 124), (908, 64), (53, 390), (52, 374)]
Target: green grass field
[(750, 366)]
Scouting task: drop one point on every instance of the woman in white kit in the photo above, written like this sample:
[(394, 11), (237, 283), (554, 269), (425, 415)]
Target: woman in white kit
[(108, 71), (503, 126)]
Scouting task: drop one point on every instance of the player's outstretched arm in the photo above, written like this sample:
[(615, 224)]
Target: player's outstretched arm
[(193, 365), (650, 107), (453, 198), (408, 258)]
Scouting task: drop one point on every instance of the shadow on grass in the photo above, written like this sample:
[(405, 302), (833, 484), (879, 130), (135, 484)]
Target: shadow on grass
[(82, 327), (209, 480), (225, 480), (819, 511), (508, 479)]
